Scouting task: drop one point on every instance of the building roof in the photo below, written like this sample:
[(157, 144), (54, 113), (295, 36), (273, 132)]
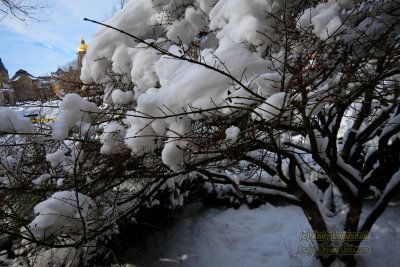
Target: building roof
[(45, 83), (21, 72), (2, 68), (58, 72)]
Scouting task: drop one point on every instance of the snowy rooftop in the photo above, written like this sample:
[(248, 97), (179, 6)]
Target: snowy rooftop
[(21, 72)]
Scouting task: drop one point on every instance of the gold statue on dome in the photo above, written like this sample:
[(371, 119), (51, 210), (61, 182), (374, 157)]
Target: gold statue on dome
[(82, 46)]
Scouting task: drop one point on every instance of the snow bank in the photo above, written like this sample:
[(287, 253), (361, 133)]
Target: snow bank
[(266, 236)]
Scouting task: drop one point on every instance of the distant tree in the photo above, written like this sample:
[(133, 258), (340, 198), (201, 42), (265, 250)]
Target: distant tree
[(121, 3), (118, 5), (73, 64), (23, 10)]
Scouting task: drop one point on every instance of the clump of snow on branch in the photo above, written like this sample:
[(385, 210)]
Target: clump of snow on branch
[(177, 80), (273, 106), (64, 211), (112, 138), (187, 29), (120, 97), (74, 112), (140, 137), (232, 133), (174, 150), (56, 158), (244, 21), (42, 179), (325, 19), (137, 17)]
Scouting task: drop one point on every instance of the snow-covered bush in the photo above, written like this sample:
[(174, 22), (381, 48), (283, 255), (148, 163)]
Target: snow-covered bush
[(62, 198), (290, 99), (293, 100)]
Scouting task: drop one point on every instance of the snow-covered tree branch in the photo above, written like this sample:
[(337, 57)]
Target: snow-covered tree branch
[(22, 9)]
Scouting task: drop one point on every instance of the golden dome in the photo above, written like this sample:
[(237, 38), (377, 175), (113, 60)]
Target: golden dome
[(82, 46)]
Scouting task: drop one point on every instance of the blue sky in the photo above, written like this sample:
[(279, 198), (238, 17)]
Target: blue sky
[(40, 47)]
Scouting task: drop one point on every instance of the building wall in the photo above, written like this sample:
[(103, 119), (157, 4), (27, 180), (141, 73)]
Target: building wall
[(3, 78), (68, 82), (25, 88), (45, 93), (7, 97)]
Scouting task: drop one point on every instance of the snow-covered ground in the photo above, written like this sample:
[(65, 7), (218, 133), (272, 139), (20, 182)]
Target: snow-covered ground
[(266, 236)]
